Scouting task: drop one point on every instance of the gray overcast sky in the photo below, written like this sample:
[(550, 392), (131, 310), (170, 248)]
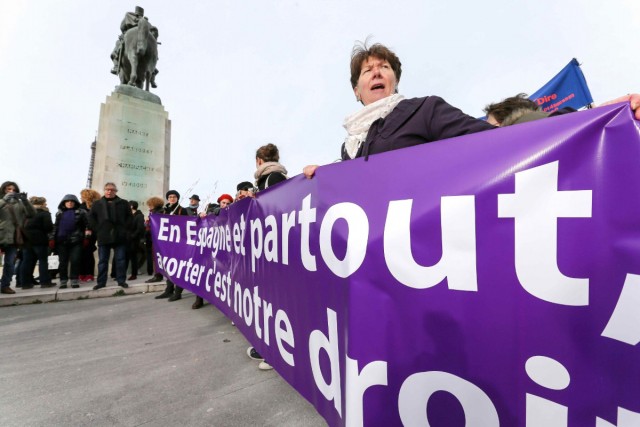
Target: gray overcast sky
[(237, 74)]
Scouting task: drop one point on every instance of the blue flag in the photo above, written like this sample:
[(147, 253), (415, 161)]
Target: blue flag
[(567, 89)]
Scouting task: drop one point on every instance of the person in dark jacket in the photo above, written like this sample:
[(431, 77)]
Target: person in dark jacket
[(36, 250), (67, 239), (14, 210), (135, 236), (268, 171), (194, 205), (388, 121), (173, 292), (109, 219), (88, 266), (192, 210), (155, 205)]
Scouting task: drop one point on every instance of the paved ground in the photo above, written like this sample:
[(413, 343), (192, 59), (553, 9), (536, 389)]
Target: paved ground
[(133, 360)]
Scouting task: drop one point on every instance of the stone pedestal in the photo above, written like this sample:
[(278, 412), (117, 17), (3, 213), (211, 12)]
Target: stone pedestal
[(133, 145)]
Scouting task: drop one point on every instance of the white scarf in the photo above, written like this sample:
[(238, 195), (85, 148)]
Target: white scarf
[(358, 123), (269, 167)]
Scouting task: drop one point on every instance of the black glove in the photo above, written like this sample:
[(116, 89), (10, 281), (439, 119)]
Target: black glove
[(22, 196)]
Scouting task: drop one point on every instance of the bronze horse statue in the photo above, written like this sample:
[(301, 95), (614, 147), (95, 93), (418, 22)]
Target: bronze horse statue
[(139, 56)]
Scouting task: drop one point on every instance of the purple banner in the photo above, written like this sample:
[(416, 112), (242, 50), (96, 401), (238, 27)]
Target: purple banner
[(491, 279)]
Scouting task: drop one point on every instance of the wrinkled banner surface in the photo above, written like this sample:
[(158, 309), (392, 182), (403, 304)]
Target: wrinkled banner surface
[(492, 279)]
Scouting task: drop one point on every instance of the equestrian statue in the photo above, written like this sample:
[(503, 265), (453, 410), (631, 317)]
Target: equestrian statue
[(136, 52)]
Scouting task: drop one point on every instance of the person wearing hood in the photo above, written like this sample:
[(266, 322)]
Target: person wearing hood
[(37, 230), (172, 291), (14, 210), (67, 239)]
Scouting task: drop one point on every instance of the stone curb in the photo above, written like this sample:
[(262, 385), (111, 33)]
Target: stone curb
[(85, 291)]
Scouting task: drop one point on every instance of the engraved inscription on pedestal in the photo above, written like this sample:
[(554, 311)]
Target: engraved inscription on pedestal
[(133, 145)]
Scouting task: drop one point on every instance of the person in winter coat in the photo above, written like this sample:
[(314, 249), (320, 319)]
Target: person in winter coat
[(388, 121), (135, 236), (37, 248), (268, 171), (14, 210), (155, 205), (172, 291), (109, 219), (192, 210), (68, 237), (88, 264), (194, 205)]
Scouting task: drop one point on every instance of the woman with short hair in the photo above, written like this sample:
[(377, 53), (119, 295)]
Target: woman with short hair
[(388, 121)]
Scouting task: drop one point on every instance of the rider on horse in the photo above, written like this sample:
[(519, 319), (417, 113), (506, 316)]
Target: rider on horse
[(129, 21)]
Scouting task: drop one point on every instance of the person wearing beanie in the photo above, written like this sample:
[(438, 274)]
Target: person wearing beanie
[(172, 291), (37, 230), (225, 200), (67, 238), (244, 189), (172, 193)]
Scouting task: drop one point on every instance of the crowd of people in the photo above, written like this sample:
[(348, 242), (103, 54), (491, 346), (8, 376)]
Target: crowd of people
[(29, 236), (106, 223)]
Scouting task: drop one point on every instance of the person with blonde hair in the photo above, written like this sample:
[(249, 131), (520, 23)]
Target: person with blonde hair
[(88, 263)]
